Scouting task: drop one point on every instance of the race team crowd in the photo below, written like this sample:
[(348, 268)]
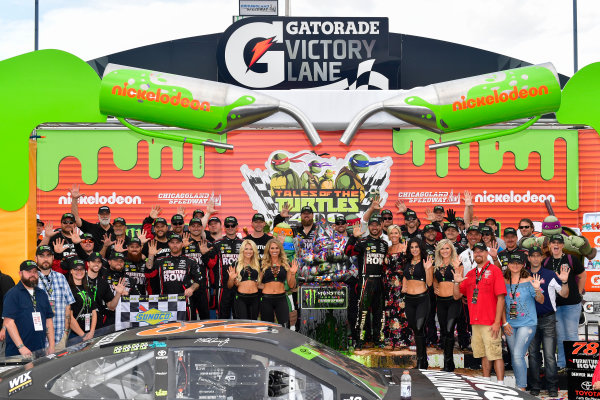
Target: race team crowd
[(477, 285)]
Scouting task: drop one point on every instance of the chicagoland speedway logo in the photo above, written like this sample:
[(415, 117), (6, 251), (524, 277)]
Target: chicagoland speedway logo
[(286, 53)]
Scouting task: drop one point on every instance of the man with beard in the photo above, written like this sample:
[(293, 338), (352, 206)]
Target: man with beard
[(61, 240), (526, 228), (410, 229), (85, 246), (215, 231), (512, 246), (28, 315), (191, 243), (371, 252), (178, 274), (484, 288), (340, 239), (451, 233), (117, 238), (101, 292), (100, 228), (142, 281), (56, 287), (218, 257), (177, 224), (161, 229), (258, 236)]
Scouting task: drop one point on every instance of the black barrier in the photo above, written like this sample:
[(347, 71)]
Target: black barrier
[(582, 358)]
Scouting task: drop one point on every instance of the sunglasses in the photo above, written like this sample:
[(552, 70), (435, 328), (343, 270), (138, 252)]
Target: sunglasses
[(68, 222), (176, 223), (87, 241), (525, 227), (387, 218), (230, 226)]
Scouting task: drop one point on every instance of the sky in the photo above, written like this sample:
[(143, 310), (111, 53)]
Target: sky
[(535, 31)]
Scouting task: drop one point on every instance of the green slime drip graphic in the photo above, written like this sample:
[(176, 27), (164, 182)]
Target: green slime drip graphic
[(85, 145), (491, 159), (38, 87), (472, 117), (580, 100), (214, 120)]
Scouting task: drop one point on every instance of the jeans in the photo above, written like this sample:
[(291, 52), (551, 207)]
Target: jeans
[(567, 328), (545, 335), (518, 343)]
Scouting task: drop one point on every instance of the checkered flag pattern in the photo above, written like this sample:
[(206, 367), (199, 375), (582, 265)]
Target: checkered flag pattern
[(366, 79), (154, 306), (259, 191)]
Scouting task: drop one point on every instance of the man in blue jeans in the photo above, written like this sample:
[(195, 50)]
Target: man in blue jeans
[(551, 285), (567, 309)]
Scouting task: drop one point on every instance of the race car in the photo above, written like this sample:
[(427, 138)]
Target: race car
[(223, 359)]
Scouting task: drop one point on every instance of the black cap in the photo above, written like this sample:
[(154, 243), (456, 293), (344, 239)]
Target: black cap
[(473, 228), (74, 263), (104, 209), (95, 256), (27, 265), (67, 216), (43, 249), (258, 217), (510, 231), (486, 230), (177, 219), (386, 212), (115, 255), (87, 236), (198, 211), (195, 221), (450, 225), (489, 219), (174, 236), (459, 219), (410, 215), (160, 220), (536, 249), (375, 218), (119, 220), (557, 237), (429, 227), (517, 257), (135, 240), (306, 209), (39, 221), (340, 220), (480, 246), (231, 220), (214, 219), (438, 208)]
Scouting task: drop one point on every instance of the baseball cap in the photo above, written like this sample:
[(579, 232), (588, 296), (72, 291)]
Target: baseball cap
[(174, 236), (536, 249), (518, 257), (258, 217), (27, 265), (480, 246), (387, 212), (438, 208), (473, 228), (39, 221), (510, 231), (104, 209), (94, 256), (375, 218), (135, 240), (177, 219), (87, 236), (119, 220), (195, 221), (450, 225), (214, 219), (198, 211), (340, 220), (486, 230), (306, 209), (231, 220), (43, 249), (67, 216), (459, 219), (410, 215), (489, 219), (557, 237), (428, 227), (117, 255), (160, 220), (74, 263)]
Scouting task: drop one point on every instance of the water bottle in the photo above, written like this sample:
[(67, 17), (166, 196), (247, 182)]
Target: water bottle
[(405, 386)]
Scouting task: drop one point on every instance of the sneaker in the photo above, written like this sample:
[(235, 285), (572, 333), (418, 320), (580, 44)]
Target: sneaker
[(534, 392), (562, 371), (552, 393)]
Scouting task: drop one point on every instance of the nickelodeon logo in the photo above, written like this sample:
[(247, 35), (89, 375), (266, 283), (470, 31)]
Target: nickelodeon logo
[(97, 199), (496, 98)]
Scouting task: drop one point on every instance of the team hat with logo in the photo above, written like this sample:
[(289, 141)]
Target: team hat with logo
[(177, 219), (375, 218), (231, 220), (27, 265), (43, 249), (480, 245), (199, 212), (450, 225), (119, 220), (195, 221), (307, 209), (174, 236), (473, 228), (214, 219), (517, 257), (387, 212), (87, 236), (135, 240), (95, 256), (510, 231), (160, 220), (557, 237), (74, 263), (438, 209), (340, 220), (66, 216), (486, 230), (536, 249), (258, 217), (410, 215), (115, 255), (429, 227)]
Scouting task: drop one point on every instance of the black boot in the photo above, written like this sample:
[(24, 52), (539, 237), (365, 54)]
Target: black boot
[(421, 352), (448, 354)]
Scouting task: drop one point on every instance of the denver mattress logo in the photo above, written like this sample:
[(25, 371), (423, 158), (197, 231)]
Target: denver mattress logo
[(20, 382)]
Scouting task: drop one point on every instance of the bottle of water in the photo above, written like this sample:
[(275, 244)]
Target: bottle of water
[(405, 386)]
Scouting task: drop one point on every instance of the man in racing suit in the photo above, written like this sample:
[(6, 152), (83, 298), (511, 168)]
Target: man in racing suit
[(371, 252)]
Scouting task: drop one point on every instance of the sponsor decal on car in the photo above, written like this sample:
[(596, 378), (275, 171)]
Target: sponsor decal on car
[(211, 327), (19, 383)]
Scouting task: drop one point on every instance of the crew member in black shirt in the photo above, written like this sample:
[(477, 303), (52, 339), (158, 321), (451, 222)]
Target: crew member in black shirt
[(258, 236), (101, 292), (191, 242), (512, 246), (161, 229), (100, 228), (410, 229)]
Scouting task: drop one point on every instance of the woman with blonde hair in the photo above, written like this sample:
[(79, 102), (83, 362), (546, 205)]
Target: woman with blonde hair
[(275, 271), (245, 277), (448, 309)]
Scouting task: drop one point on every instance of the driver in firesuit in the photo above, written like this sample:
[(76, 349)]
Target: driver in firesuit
[(371, 252)]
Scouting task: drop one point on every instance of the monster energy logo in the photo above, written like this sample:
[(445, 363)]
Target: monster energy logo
[(323, 297)]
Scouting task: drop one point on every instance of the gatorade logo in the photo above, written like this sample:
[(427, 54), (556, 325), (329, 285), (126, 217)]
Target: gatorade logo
[(595, 280)]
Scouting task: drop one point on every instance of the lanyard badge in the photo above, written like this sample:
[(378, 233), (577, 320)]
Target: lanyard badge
[(475, 294), (512, 314)]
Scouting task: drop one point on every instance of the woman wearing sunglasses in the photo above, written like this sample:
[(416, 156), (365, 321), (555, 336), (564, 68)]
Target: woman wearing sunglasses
[(489, 238)]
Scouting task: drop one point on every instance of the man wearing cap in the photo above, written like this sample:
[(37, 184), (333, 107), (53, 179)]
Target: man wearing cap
[(178, 273), (199, 300), (84, 245), (28, 315), (161, 229), (567, 309), (551, 285), (410, 229), (466, 257), (61, 240), (371, 252), (218, 257), (307, 229), (437, 219), (139, 277), (452, 234), (198, 214), (257, 235), (100, 228), (215, 231), (511, 243), (484, 288), (491, 222), (56, 287), (101, 291), (118, 238), (177, 224), (340, 241)]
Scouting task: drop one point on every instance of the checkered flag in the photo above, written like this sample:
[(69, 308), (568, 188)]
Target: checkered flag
[(153, 309), (366, 79), (259, 191)]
